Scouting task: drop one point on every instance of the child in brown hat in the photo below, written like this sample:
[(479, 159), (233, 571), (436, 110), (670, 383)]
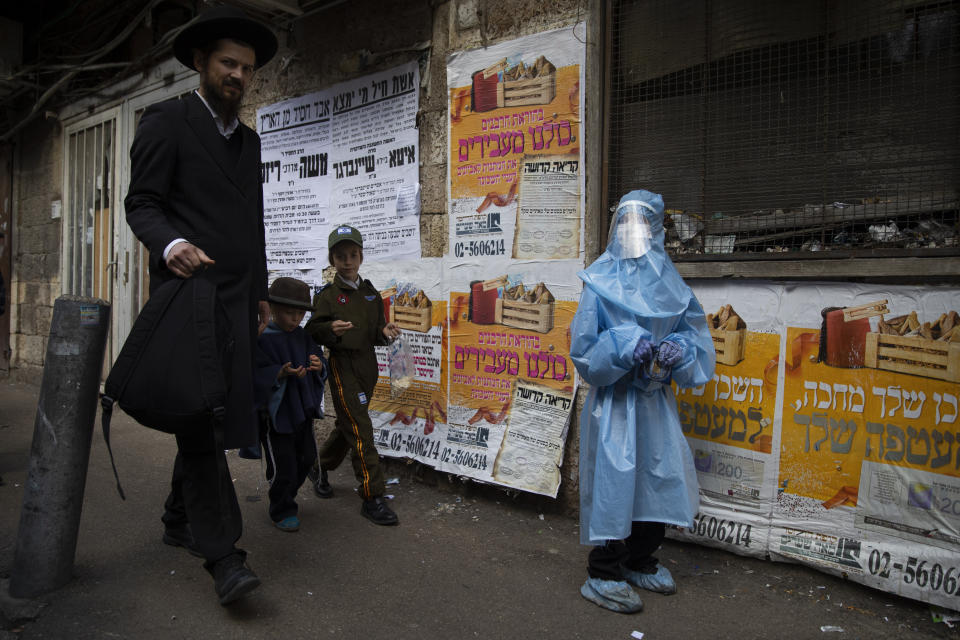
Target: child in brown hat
[(289, 380)]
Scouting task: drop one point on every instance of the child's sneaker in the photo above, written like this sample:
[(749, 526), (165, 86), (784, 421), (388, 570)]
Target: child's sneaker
[(290, 523), (321, 486), (378, 512)]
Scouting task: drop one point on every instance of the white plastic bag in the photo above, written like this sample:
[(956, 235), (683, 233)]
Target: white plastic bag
[(401, 366)]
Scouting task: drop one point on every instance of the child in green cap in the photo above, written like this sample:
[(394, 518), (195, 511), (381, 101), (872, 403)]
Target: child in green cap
[(348, 319)]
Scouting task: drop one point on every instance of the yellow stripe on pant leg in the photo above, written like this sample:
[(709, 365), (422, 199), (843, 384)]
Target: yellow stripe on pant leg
[(365, 483)]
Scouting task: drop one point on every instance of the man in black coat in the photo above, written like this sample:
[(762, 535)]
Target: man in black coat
[(195, 201)]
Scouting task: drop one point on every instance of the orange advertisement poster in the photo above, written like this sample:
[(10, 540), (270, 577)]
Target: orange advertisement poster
[(486, 147), (737, 407), (837, 417), (490, 352), (515, 149)]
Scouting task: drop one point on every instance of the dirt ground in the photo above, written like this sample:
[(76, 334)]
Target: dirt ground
[(466, 561)]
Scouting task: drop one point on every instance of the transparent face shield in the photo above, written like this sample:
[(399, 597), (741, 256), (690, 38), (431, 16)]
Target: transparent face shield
[(630, 234)]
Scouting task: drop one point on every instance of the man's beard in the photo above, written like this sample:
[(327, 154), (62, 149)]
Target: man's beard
[(224, 106)]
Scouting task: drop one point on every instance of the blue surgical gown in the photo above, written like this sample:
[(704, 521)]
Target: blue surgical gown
[(635, 464)]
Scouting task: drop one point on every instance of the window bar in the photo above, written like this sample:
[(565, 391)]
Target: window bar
[(82, 214), (67, 221), (97, 221)]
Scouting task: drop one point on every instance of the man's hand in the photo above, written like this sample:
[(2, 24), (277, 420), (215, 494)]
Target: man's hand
[(263, 316), (316, 364), (185, 258)]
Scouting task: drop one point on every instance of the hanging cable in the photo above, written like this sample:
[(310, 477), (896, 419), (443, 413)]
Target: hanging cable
[(93, 57)]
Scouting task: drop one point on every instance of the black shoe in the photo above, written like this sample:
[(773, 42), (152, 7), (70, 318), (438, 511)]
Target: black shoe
[(321, 486), (232, 579), (378, 512), (181, 537)]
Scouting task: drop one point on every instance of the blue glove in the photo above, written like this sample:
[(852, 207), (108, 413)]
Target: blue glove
[(643, 352), (669, 353)]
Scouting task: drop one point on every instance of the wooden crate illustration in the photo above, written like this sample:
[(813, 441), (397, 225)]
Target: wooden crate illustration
[(525, 315), (519, 93), (729, 345), (411, 318), (914, 355)]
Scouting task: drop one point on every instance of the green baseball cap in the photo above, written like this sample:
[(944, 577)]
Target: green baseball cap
[(344, 233)]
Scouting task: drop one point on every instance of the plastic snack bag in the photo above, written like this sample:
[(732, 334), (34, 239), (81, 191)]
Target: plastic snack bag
[(401, 366)]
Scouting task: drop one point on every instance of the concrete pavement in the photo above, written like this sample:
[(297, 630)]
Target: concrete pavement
[(466, 561)]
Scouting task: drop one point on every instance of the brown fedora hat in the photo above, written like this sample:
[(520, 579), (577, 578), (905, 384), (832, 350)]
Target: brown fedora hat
[(224, 22), (290, 292)]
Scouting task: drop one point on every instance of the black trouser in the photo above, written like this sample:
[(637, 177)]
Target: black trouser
[(202, 495), (635, 553), (289, 458)]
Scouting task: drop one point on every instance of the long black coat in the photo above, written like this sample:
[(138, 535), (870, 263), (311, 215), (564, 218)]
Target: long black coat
[(184, 183)]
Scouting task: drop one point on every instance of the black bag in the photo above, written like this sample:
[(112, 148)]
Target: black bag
[(173, 371)]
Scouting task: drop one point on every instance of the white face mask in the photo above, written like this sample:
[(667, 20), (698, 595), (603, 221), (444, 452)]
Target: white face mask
[(630, 235)]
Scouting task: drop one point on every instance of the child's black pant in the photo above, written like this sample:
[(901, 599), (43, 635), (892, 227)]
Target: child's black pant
[(635, 553), (289, 458)]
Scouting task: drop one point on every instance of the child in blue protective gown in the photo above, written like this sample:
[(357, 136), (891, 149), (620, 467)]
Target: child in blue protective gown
[(638, 326), (289, 379)]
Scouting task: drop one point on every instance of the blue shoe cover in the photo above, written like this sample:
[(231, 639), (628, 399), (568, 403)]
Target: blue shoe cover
[(611, 594), (290, 523), (660, 582)]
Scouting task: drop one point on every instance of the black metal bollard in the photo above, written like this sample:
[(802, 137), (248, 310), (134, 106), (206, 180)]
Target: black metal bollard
[(59, 455)]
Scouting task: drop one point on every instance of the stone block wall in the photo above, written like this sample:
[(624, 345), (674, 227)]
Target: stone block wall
[(35, 277)]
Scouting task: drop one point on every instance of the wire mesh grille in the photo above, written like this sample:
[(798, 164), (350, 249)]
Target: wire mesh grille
[(790, 126)]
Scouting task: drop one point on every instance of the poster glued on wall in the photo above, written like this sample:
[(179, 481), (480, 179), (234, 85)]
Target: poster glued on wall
[(348, 154), (833, 438), (512, 382)]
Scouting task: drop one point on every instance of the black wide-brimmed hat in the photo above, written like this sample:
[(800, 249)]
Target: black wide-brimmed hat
[(224, 22)]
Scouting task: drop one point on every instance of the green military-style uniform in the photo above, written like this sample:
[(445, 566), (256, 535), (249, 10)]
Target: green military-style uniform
[(353, 375)]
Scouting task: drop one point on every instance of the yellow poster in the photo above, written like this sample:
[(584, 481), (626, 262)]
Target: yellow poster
[(516, 167), (838, 416), (737, 407), (489, 352)]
